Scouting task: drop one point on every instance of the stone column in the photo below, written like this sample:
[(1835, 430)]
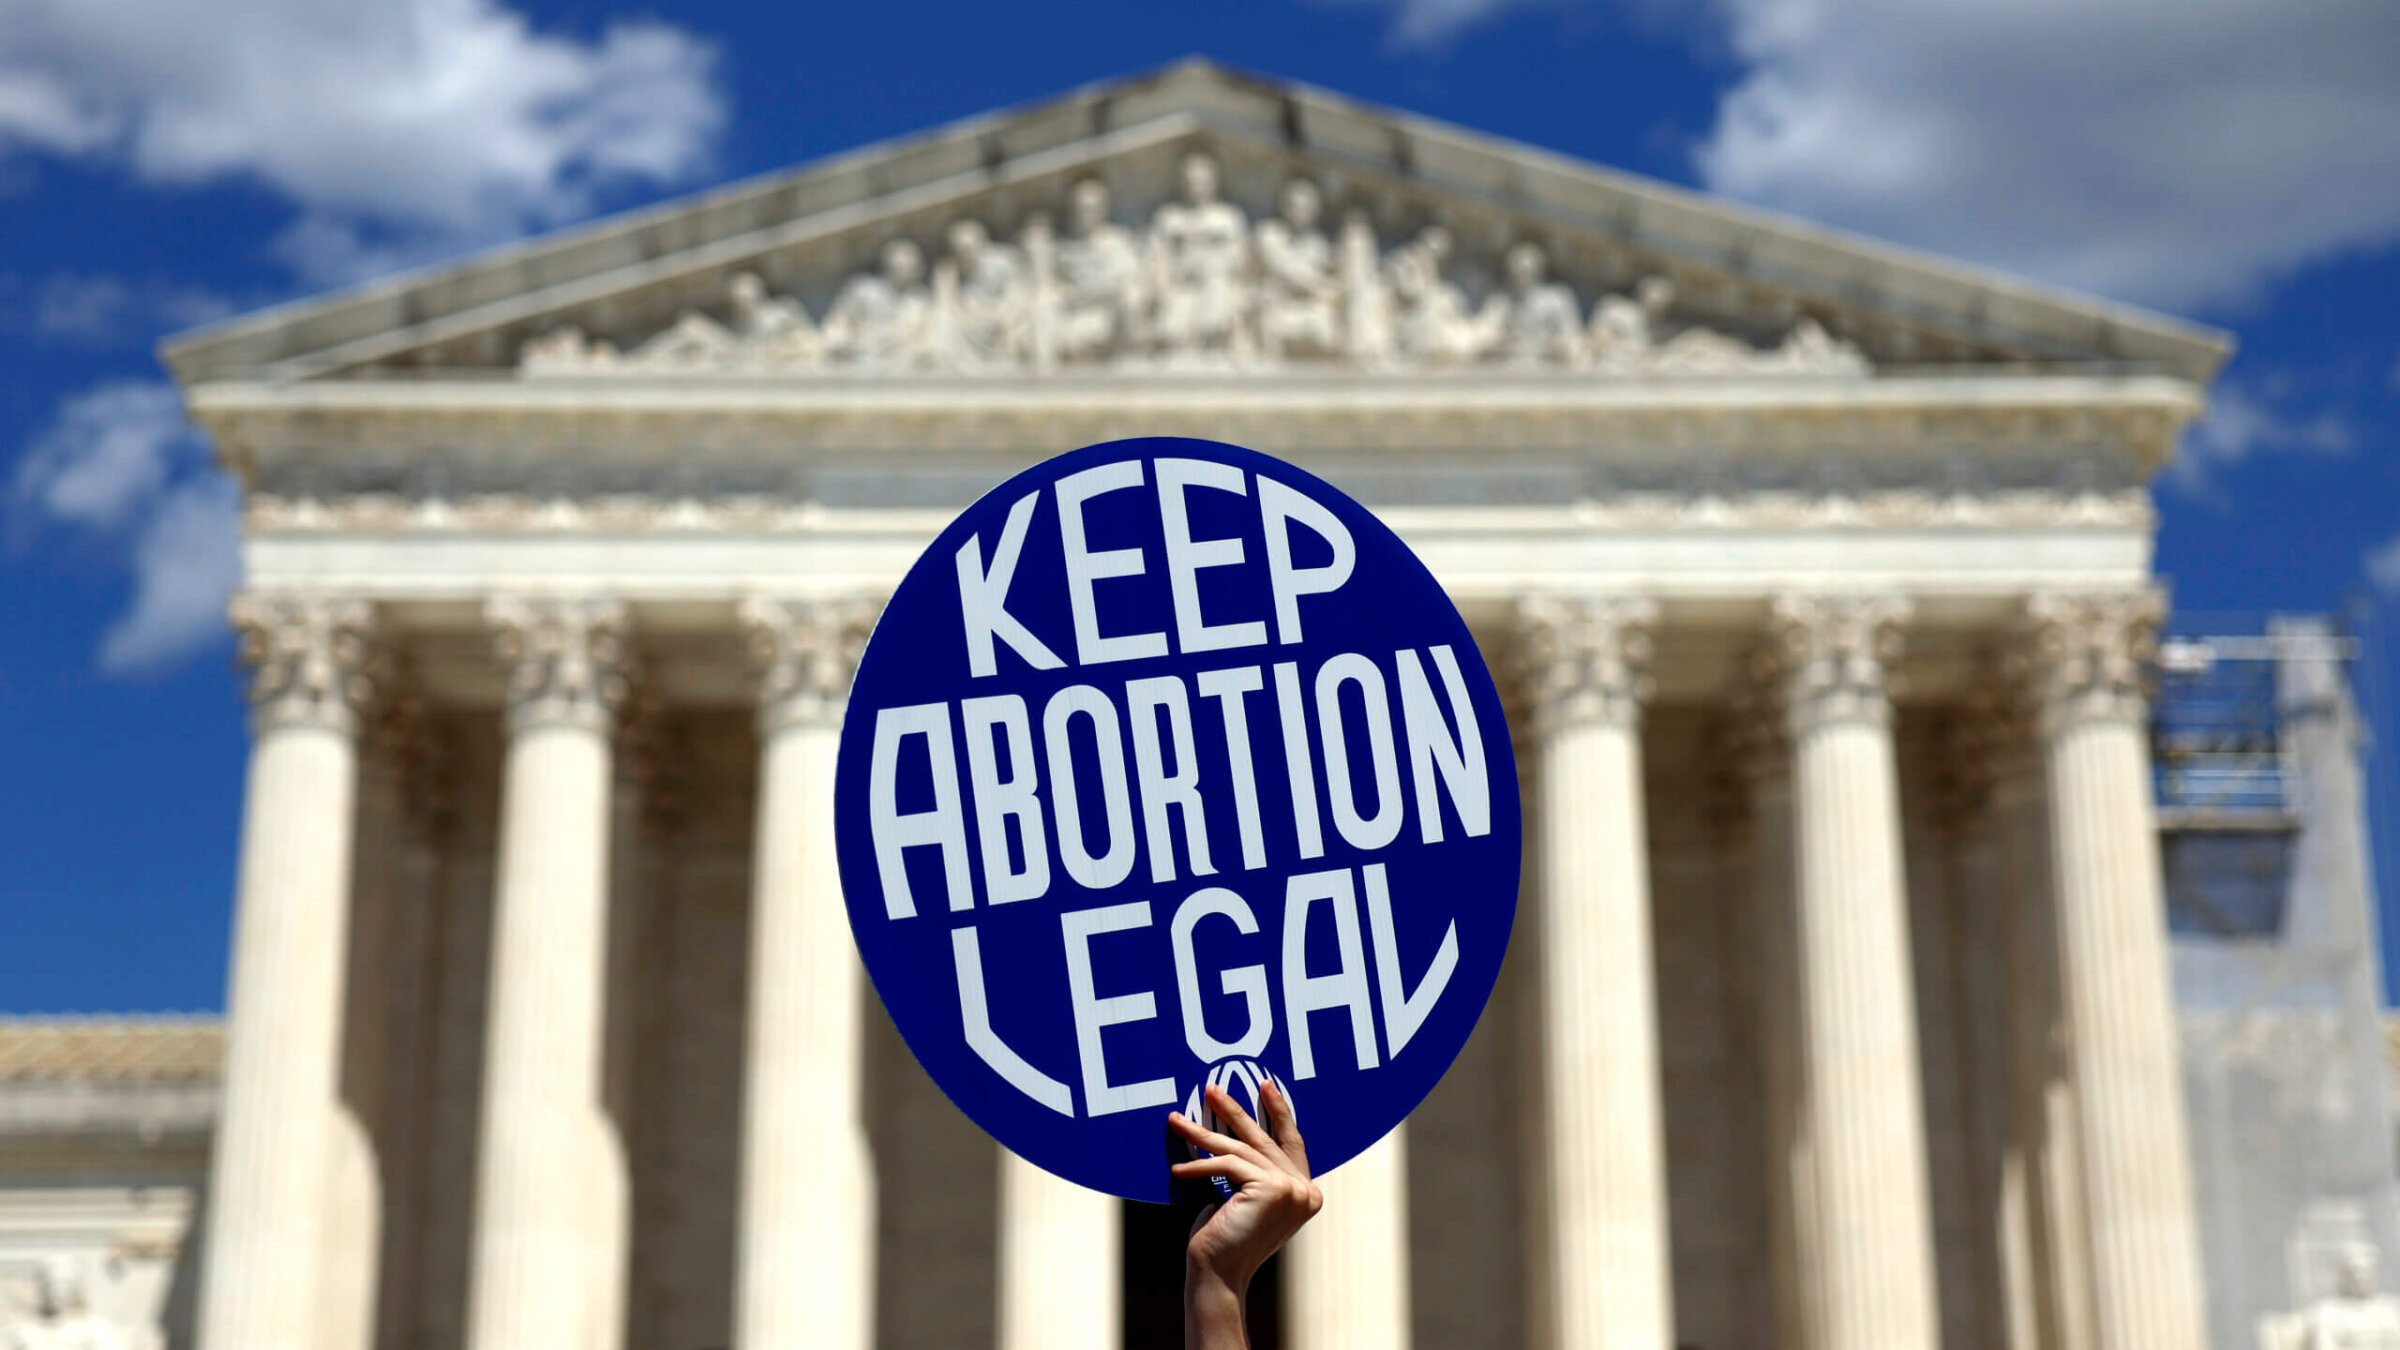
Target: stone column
[(1346, 1274), (1758, 763), (1871, 1250), (807, 1272), (2122, 1043), (2040, 1212), (266, 1203), (363, 1142), (1060, 1249), (1605, 1238), (540, 1240)]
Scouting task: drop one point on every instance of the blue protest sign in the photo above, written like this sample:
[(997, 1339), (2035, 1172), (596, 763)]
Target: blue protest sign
[(1168, 760)]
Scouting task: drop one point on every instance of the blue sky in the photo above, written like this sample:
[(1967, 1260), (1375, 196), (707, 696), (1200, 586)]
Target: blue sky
[(164, 163)]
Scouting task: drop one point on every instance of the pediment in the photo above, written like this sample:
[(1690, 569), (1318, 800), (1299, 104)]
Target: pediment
[(1192, 220)]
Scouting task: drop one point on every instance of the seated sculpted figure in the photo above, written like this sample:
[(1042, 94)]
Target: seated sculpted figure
[(1200, 248), (1299, 293), (1436, 326), (880, 319), (1100, 281), (1545, 325), (1624, 331), (1366, 294), (775, 330), (2353, 1317), (988, 294)]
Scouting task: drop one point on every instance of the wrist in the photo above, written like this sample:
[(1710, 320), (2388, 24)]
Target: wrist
[(1204, 1278), (1213, 1308)]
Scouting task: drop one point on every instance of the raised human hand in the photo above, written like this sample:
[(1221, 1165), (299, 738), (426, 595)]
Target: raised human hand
[(1273, 1196)]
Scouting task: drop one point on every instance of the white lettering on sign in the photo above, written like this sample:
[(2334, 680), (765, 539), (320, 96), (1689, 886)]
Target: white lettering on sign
[(1431, 747), (975, 1012), (1250, 982), (1228, 688), (999, 801), (1092, 1013), (1028, 796), (895, 831), (1280, 507), (1360, 831), (1107, 775), (983, 597), (1186, 555), (1085, 569), (1282, 510), (1345, 987), (1162, 791), (1367, 974), (1074, 845), (1404, 1012), (1298, 760)]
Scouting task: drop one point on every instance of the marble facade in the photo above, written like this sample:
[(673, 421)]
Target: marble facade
[(1819, 576)]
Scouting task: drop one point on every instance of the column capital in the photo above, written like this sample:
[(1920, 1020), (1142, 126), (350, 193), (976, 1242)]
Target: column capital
[(1833, 654), (803, 651), (1586, 658), (565, 657), (2089, 654), (310, 657)]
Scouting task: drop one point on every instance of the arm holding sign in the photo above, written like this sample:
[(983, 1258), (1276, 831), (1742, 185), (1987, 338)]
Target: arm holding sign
[(1269, 1166)]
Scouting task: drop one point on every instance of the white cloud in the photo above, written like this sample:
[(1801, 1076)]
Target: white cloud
[(2246, 418), (1432, 23), (398, 130), (108, 455), (2177, 154), (2180, 154), (410, 127), (2383, 565), (106, 310), (186, 562), (119, 463)]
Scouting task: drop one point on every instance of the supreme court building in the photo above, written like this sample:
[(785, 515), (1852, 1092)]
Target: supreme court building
[(1818, 574)]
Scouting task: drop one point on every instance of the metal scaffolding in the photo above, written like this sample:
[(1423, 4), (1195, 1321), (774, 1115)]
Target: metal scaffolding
[(2271, 903)]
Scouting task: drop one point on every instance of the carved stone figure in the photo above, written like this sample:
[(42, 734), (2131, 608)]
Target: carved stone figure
[(1623, 326), (1809, 349), (1299, 297), (1366, 297), (2353, 1317), (565, 351), (986, 297), (694, 342), (1545, 325), (775, 330), (1200, 249), (1436, 326), (880, 319), (1101, 290), (1202, 288), (62, 1316)]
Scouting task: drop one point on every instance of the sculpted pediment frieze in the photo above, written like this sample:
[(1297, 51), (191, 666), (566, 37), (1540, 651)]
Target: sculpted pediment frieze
[(1201, 284)]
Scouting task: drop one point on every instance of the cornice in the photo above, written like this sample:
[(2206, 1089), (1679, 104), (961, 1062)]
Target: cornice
[(760, 514), (688, 419)]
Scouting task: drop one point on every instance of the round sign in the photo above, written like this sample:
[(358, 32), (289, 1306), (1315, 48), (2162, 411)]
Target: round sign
[(1166, 757)]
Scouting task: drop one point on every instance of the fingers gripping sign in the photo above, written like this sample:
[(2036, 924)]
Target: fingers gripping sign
[(1247, 1082), (1170, 770), (1263, 1173)]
